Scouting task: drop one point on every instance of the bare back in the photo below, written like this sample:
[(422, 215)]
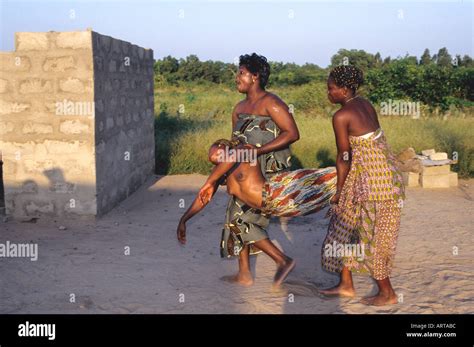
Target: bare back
[(363, 118)]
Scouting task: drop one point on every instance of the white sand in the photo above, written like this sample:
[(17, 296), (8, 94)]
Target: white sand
[(87, 259)]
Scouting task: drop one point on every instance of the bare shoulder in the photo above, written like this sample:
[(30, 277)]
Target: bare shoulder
[(273, 103), (238, 107), (271, 98), (341, 115)]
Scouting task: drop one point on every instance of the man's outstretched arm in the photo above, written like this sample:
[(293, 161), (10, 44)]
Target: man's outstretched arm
[(195, 208)]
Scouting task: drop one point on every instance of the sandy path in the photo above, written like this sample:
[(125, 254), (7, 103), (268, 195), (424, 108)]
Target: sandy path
[(87, 260)]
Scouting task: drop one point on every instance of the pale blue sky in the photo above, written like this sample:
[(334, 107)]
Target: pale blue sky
[(304, 31)]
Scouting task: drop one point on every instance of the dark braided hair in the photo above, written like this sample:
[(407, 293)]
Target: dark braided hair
[(256, 64), (347, 76)]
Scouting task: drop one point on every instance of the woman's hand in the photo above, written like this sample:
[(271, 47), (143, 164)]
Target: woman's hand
[(206, 192), (181, 232), (335, 198), (249, 147)]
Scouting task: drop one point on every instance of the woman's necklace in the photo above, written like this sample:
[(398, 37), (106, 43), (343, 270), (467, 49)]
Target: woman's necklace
[(352, 98)]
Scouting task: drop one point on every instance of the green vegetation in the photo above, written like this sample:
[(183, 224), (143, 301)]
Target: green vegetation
[(194, 101)]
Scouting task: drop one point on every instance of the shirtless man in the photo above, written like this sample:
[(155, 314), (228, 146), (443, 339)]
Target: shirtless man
[(290, 193)]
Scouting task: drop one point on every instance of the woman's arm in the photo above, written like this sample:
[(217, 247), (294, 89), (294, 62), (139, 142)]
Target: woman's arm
[(282, 117), (340, 123)]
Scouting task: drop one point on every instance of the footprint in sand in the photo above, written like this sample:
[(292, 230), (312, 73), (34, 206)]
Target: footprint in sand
[(299, 288)]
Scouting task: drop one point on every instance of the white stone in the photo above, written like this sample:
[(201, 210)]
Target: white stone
[(439, 156), (428, 152)]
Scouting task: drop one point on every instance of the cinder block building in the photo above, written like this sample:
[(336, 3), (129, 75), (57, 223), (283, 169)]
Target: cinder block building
[(76, 123)]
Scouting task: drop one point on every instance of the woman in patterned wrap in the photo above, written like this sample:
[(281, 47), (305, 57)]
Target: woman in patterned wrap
[(367, 206), (263, 121)]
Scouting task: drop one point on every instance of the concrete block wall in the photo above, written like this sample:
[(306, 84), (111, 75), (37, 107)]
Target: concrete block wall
[(124, 136), (62, 123)]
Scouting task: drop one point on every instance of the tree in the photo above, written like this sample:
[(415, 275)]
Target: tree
[(426, 57), (462, 81), (190, 69), (166, 69), (377, 60), (466, 61), (359, 58), (443, 58)]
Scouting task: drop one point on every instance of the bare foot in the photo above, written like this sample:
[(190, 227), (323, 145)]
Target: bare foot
[(283, 272), (241, 279), (380, 299), (341, 291)]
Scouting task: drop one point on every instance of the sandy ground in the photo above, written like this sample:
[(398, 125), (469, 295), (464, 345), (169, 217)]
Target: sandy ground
[(88, 260)]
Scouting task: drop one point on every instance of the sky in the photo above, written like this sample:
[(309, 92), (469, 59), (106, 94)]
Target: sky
[(287, 31)]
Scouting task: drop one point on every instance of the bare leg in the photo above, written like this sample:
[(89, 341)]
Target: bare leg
[(285, 264), (244, 277), (385, 296), (345, 288)]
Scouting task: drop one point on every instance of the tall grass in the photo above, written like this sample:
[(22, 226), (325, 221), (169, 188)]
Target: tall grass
[(182, 138)]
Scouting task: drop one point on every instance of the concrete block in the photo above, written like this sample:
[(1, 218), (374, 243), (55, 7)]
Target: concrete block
[(436, 170), (73, 127), (434, 181), (35, 208), (36, 85), (453, 179), (428, 152), (3, 86), (72, 85), (439, 156), (31, 41), (59, 64), (411, 179), (37, 128), (7, 107), (14, 62), (77, 39), (6, 127)]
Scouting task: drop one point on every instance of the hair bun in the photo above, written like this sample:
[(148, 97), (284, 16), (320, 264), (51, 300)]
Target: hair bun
[(348, 76)]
